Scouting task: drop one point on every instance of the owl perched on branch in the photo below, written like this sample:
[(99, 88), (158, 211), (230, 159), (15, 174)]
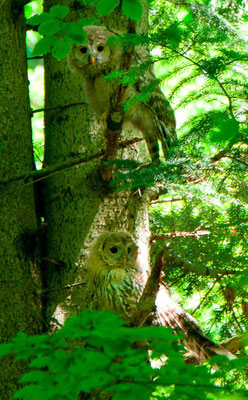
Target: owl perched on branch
[(117, 280), (94, 60), (114, 272)]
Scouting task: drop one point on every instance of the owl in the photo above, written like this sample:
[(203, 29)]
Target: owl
[(94, 60), (114, 273)]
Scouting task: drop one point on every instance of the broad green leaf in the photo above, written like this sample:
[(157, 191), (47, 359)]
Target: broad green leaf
[(226, 130), (5, 349), (76, 32), (38, 19), (43, 46), (34, 376), (88, 2), (88, 21), (60, 11), (49, 27), (132, 9), (105, 7), (26, 393), (28, 10), (62, 50)]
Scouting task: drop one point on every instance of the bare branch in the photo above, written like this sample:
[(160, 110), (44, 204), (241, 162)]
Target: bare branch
[(62, 107), (65, 287), (35, 175), (172, 235), (167, 200)]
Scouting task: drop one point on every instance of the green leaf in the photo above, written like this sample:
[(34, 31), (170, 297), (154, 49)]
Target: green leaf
[(88, 2), (132, 9), (105, 7), (60, 11), (88, 21), (28, 10), (49, 27), (5, 349), (62, 50), (227, 129), (43, 46), (188, 18), (34, 376), (38, 19), (75, 32), (27, 393)]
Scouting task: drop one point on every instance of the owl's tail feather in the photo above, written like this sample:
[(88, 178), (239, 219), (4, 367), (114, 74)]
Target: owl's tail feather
[(199, 346), (166, 137)]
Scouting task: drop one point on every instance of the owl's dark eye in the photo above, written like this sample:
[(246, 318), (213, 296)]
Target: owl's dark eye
[(129, 250), (100, 48), (83, 50), (113, 249)]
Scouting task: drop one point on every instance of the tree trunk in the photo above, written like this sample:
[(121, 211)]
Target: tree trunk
[(78, 204), (20, 305)]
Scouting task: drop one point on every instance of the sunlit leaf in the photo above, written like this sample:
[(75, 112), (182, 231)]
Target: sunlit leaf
[(105, 7)]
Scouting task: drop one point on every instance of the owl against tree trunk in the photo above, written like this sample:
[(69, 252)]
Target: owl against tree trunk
[(117, 280), (114, 273), (94, 60)]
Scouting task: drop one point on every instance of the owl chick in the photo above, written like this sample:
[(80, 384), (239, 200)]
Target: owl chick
[(94, 60), (114, 273)]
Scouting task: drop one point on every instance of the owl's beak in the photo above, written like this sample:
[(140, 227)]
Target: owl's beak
[(93, 60), (124, 258)]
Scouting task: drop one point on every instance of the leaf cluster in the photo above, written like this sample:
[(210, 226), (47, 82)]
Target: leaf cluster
[(58, 35), (95, 352), (131, 8)]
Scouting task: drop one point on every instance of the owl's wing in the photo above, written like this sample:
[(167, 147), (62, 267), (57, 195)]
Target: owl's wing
[(161, 110), (159, 106)]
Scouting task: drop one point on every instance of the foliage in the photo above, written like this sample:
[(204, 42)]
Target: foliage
[(58, 35), (202, 56), (130, 8), (85, 356)]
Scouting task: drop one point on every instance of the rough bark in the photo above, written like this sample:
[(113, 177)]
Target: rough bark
[(20, 308), (78, 204)]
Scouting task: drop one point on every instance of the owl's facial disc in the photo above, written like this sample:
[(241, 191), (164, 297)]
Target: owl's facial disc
[(100, 53)]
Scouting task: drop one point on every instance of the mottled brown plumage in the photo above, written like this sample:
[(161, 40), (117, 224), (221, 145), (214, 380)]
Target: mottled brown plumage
[(94, 60), (117, 280), (114, 273)]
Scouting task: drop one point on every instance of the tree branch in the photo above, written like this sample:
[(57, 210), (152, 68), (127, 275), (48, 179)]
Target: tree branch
[(167, 200), (62, 107), (146, 305), (196, 234), (48, 171)]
